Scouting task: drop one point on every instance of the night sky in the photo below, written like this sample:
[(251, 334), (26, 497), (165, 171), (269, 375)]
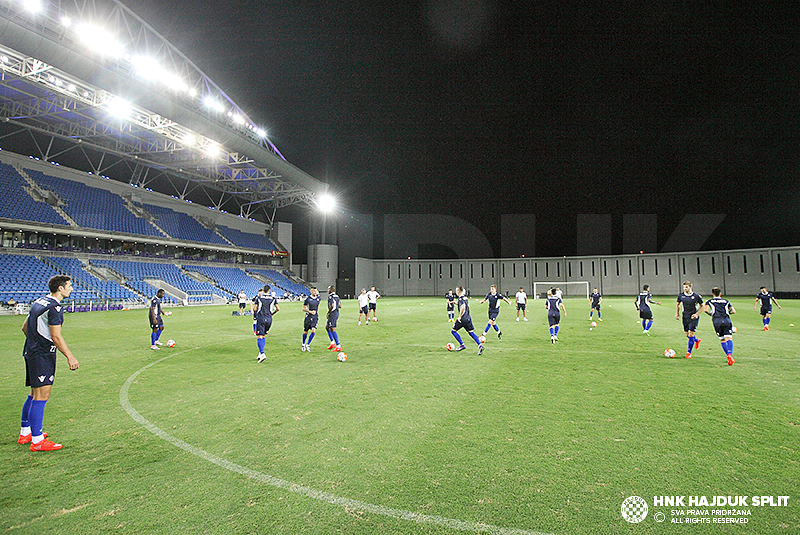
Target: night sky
[(476, 108)]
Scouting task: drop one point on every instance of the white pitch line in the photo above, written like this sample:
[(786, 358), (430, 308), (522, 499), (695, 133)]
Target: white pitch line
[(400, 514)]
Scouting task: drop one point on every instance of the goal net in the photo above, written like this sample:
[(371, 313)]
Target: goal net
[(573, 289)]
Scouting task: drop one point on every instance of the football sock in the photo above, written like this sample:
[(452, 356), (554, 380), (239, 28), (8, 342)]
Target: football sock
[(152, 339), (598, 314), (310, 337), (37, 418), (262, 343), (488, 326), (556, 329), (552, 332), (330, 335), (475, 337), (496, 327), (304, 338), (730, 348), (458, 338), (158, 334), (644, 324), (26, 409), (336, 337), (766, 321), (590, 314), (649, 324)]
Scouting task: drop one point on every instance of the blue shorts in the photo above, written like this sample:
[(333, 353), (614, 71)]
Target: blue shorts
[(646, 314), (520, 306), (493, 313), (310, 322), (766, 310), (373, 306), (332, 320), (596, 307), (690, 324), (40, 370), (723, 327), (262, 326), (365, 310), (554, 319), (463, 323), (159, 324)]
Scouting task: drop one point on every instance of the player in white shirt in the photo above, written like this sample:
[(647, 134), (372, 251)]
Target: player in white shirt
[(522, 300), (363, 306), (373, 302), (242, 302)]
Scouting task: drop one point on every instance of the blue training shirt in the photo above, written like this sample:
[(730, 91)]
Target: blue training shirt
[(45, 311)]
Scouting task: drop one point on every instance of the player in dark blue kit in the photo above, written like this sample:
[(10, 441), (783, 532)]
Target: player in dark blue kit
[(766, 299), (692, 302), (643, 301), (595, 299), (494, 309), (334, 304), (452, 299), (43, 337), (552, 304), (311, 308), (464, 321), (156, 323), (262, 312), (720, 311)]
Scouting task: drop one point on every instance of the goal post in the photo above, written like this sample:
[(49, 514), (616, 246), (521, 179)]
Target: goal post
[(572, 289)]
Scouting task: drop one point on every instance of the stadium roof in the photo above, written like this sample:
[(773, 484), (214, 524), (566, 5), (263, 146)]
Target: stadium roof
[(91, 80)]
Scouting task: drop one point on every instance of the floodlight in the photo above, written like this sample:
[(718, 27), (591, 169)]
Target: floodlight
[(99, 40), (238, 119), (213, 150), (119, 107), (66, 21), (326, 202), (212, 103), (260, 132), (34, 6), (189, 139)]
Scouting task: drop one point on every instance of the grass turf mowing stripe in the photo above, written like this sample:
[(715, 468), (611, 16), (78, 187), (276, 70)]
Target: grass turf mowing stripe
[(327, 497)]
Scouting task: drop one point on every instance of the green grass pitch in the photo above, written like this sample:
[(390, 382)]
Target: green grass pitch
[(405, 437)]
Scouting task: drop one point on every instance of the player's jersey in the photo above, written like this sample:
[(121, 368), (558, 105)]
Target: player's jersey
[(373, 296), (464, 301), (155, 307), (451, 298), (494, 300), (242, 298), (45, 312), (766, 298), (311, 303), (334, 304), (363, 300), (689, 302), (595, 298), (643, 301), (522, 297), (721, 308), (263, 305), (552, 305)]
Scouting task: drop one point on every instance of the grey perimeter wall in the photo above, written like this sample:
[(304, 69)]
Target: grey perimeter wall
[(739, 272)]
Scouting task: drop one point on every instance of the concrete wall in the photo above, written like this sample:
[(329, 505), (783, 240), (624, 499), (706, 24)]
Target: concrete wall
[(737, 272)]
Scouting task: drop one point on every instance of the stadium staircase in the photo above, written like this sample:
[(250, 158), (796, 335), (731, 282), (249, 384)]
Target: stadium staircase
[(175, 293), (208, 224), (141, 213), (41, 194)]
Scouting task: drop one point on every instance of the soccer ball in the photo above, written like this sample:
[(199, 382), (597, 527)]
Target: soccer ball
[(482, 338), (733, 329), (450, 346), (593, 324), (341, 357), (170, 343), (669, 353)]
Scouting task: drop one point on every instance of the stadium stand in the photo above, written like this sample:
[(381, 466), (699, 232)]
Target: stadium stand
[(94, 207), (23, 278), (16, 203), (182, 226), (104, 289), (247, 239), (232, 280), (136, 272), (281, 281)]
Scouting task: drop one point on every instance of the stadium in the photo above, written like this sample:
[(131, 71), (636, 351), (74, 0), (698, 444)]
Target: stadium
[(126, 167)]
